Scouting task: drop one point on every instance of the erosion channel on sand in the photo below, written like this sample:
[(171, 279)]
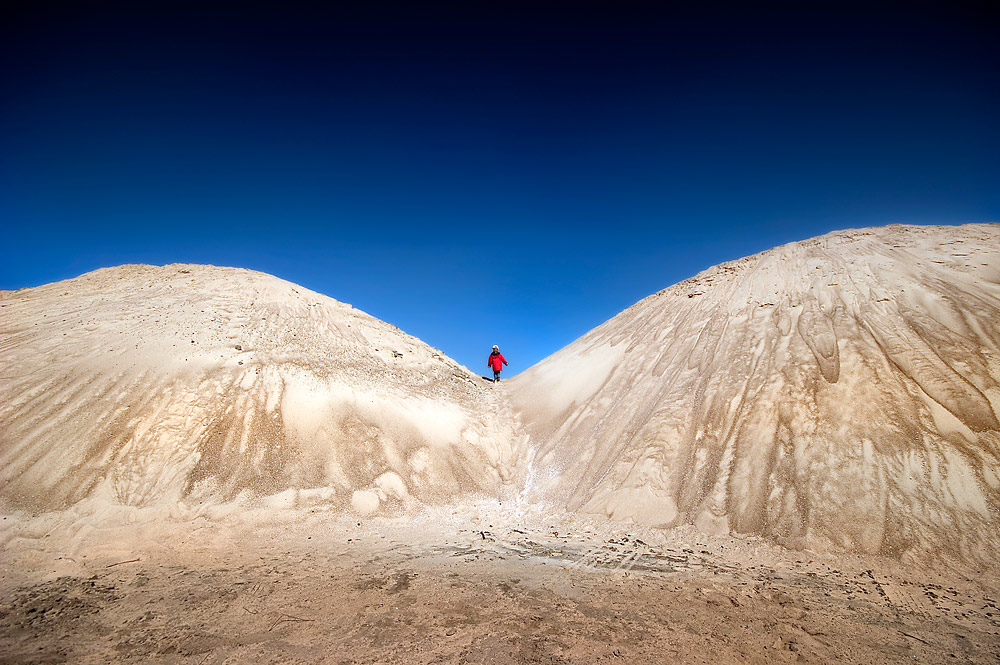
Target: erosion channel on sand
[(794, 457)]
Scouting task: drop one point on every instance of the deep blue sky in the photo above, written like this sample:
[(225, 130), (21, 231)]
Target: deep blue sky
[(506, 175)]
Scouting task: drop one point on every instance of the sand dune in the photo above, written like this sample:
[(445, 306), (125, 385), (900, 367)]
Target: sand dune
[(142, 385), (839, 393), (205, 464)]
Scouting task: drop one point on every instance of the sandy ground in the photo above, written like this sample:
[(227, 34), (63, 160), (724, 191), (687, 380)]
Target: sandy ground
[(193, 441), (449, 588)]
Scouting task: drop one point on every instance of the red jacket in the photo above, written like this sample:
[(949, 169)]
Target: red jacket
[(495, 361)]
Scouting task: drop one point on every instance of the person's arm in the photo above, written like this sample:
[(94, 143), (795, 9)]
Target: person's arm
[(503, 359)]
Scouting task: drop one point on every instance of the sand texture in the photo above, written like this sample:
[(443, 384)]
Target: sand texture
[(793, 457), (141, 385), (472, 589), (838, 393)]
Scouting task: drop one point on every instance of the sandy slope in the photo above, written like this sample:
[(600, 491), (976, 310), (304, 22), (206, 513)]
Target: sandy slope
[(837, 393), (210, 465), (192, 385)]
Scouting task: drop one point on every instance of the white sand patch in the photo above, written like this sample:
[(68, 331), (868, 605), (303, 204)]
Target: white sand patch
[(365, 502)]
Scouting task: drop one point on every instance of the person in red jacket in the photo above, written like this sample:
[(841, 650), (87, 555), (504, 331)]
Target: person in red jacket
[(496, 361)]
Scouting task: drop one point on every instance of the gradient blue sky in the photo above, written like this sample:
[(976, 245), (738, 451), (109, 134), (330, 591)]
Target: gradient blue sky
[(506, 175)]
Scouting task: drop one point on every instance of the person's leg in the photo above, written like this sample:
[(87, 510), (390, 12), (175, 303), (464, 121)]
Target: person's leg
[(496, 376)]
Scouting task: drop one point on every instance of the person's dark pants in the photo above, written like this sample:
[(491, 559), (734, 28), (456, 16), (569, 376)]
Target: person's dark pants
[(496, 375)]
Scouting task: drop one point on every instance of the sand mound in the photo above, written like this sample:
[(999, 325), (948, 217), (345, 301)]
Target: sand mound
[(837, 393), (143, 385)]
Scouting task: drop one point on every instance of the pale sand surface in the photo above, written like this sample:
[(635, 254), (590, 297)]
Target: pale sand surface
[(211, 465), (479, 586)]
